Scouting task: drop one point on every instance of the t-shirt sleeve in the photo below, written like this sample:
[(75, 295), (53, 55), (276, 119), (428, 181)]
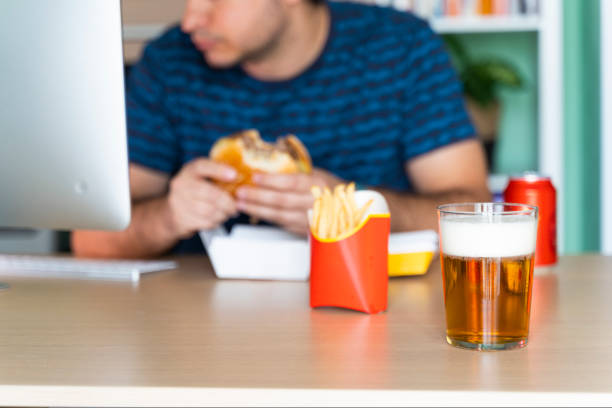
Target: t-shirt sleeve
[(434, 112), (152, 141)]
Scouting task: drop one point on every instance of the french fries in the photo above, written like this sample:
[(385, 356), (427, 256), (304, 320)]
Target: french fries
[(336, 214)]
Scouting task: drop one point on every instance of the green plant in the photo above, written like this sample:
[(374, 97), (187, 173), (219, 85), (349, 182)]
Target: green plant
[(481, 78)]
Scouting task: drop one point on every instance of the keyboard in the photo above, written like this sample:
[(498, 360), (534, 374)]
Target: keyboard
[(53, 267)]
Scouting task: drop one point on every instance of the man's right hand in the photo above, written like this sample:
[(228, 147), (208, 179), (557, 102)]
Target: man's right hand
[(194, 202)]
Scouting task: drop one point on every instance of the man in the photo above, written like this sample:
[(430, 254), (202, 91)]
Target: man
[(369, 91)]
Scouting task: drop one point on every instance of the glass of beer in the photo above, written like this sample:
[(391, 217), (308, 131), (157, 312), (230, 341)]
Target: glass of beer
[(487, 252)]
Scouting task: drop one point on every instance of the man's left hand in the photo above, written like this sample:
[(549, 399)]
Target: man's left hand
[(283, 199)]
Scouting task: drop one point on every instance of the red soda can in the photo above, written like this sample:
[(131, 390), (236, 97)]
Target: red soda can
[(534, 189)]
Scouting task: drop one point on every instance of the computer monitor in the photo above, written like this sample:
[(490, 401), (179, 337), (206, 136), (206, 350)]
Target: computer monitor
[(63, 150)]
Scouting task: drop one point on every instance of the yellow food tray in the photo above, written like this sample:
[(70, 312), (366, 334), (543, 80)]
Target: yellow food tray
[(411, 253), (409, 264)]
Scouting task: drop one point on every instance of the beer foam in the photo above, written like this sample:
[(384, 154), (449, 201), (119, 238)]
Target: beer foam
[(482, 236)]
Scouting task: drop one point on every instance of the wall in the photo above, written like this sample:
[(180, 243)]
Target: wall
[(516, 149), (582, 107), (138, 14)]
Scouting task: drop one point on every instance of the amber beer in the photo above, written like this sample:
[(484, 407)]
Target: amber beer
[(487, 265)]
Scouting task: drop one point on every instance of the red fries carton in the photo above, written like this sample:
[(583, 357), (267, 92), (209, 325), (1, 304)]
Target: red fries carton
[(351, 270)]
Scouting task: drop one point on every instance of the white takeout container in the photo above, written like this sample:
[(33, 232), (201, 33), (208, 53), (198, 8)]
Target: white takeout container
[(257, 252)]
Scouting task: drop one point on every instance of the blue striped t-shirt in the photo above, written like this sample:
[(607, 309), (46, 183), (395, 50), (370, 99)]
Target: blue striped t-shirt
[(381, 93)]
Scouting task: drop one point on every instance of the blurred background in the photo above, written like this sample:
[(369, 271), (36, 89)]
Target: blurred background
[(531, 70)]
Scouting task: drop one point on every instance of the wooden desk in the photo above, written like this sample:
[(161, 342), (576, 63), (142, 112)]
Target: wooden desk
[(184, 338)]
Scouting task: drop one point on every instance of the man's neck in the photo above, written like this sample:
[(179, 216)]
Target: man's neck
[(297, 48)]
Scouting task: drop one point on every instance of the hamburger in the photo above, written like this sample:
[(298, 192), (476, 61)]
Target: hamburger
[(247, 153)]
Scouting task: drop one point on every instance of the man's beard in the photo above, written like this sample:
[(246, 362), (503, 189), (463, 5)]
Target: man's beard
[(265, 50)]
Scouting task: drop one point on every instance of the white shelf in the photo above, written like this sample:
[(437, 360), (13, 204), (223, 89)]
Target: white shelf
[(481, 24)]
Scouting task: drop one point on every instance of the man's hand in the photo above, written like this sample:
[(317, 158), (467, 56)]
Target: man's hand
[(194, 202), (283, 199)]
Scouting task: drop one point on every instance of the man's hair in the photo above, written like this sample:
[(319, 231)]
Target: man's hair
[(317, 1)]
